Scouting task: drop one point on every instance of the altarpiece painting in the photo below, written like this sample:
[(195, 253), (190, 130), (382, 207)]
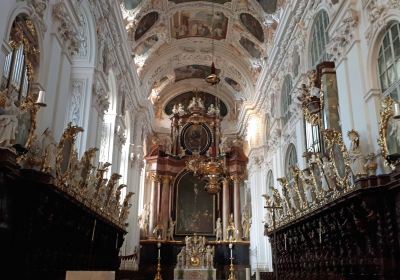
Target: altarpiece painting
[(195, 208)]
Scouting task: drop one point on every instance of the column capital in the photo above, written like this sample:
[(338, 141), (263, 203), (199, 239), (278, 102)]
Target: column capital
[(165, 179), (154, 177), (237, 178)]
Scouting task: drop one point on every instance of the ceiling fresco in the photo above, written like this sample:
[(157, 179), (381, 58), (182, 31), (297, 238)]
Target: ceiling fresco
[(192, 72), (250, 47), (179, 39), (186, 97), (145, 24), (235, 85), (186, 24), (146, 45), (253, 26), (269, 6)]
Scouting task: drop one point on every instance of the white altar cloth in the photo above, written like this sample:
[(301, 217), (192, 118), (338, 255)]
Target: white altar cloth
[(195, 274)]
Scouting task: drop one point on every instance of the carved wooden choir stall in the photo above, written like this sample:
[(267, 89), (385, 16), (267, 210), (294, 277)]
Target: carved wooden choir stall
[(336, 219)]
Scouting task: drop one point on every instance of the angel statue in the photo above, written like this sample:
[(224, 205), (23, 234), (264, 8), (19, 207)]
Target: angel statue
[(171, 227), (218, 230)]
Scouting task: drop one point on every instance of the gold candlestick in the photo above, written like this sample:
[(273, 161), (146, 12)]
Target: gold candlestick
[(231, 269), (158, 274)]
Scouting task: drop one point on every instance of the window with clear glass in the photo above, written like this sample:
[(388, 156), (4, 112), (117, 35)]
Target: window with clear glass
[(291, 160), (319, 38), (286, 98), (313, 139), (389, 62)]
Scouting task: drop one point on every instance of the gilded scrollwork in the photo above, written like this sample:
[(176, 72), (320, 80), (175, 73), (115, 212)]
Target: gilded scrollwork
[(387, 128), (339, 158)]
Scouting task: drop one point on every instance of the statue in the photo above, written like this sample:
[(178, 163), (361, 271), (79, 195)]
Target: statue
[(48, 151), (175, 109), (171, 227), (111, 187), (200, 103), (181, 258), (309, 188), (181, 110), (146, 218), (356, 157), (8, 122), (209, 257), (246, 225), (329, 174), (231, 229), (371, 165), (218, 230), (211, 109), (192, 103)]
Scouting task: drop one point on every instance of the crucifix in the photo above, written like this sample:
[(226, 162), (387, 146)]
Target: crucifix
[(274, 207)]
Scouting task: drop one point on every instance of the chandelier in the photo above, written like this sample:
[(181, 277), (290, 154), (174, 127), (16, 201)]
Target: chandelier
[(210, 170), (213, 78)]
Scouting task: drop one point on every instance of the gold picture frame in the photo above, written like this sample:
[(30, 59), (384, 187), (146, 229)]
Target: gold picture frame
[(385, 121)]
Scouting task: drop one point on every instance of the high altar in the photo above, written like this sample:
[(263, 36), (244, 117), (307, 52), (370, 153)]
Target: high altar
[(193, 184), (195, 260)]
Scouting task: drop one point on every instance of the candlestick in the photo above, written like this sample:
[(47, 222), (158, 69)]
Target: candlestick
[(396, 110), (285, 240), (320, 233), (41, 99)]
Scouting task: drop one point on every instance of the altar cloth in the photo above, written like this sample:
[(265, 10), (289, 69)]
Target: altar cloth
[(195, 274)]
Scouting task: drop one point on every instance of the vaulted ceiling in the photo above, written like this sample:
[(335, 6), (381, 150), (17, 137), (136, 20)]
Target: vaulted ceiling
[(174, 43)]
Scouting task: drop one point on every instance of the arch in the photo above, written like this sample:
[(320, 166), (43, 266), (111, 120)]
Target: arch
[(290, 160), (376, 37), (388, 60), (319, 38), (286, 98), (88, 37)]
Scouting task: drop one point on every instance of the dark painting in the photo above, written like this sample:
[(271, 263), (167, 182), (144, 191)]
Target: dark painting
[(145, 24), (192, 72), (269, 6), (253, 26), (250, 47), (235, 85), (196, 138), (186, 97), (195, 208)]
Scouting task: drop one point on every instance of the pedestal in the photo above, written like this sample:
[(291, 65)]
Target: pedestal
[(195, 274), (90, 275)]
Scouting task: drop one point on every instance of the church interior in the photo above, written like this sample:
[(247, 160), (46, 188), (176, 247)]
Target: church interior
[(200, 140)]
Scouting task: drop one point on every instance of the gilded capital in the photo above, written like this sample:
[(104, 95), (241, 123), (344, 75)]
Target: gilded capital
[(154, 177)]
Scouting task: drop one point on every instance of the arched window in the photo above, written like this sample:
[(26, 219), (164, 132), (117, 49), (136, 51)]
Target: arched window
[(319, 38), (389, 62), (291, 160), (286, 98), (270, 182)]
